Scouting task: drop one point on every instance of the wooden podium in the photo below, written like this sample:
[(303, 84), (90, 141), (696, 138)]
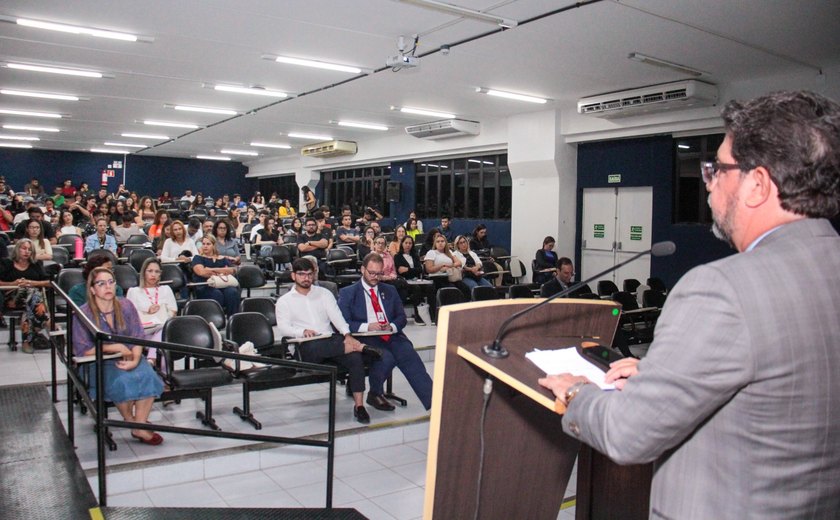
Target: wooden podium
[(527, 458)]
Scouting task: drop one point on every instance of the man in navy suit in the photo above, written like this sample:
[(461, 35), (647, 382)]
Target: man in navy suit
[(367, 306)]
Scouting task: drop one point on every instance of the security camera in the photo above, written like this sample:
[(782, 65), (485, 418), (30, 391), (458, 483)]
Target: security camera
[(444, 49)]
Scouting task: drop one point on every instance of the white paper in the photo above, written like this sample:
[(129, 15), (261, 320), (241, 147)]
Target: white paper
[(567, 360)]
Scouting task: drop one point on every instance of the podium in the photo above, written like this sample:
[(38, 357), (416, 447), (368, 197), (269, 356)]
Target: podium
[(528, 459)]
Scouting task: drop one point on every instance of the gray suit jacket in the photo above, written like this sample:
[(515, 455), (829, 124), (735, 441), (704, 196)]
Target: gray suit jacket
[(738, 399)]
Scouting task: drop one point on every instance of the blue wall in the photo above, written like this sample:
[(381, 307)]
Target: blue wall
[(648, 162), (144, 174)]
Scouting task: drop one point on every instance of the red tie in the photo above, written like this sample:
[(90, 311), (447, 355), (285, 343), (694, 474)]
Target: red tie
[(380, 316)]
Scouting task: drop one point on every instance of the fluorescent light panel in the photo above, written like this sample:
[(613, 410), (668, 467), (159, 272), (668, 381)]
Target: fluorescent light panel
[(173, 125), (145, 136), (238, 152), (15, 145), (128, 145), (206, 110), (109, 150), (656, 62), (31, 128), (297, 135), (55, 70), (74, 29), (61, 97), (424, 112), (251, 90), (511, 95), (271, 145), (463, 11), (318, 64), (212, 157), (366, 126), (19, 137), (27, 113)]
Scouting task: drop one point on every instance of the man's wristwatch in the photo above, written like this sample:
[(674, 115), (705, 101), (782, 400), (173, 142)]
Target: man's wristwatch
[(573, 391)]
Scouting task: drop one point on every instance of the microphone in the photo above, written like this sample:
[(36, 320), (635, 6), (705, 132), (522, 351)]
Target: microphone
[(496, 350)]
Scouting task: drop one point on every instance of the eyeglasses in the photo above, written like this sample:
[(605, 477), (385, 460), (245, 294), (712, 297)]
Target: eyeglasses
[(104, 283), (304, 274), (376, 274), (709, 170)]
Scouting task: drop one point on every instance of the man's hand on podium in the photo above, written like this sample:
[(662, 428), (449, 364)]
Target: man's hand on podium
[(622, 370), (560, 384)]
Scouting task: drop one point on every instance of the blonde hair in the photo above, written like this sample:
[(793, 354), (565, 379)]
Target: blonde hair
[(212, 240), (119, 321)]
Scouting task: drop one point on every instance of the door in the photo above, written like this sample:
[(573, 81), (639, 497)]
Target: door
[(598, 240), (634, 215)]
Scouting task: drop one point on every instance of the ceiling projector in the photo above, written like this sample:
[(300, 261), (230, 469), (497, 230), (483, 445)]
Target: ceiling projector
[(402, 61)]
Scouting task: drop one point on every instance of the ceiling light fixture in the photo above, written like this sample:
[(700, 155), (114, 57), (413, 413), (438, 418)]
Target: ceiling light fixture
[(145, 136), (173, 125), (238, 152), (109, 150), (256, 91), (424, 112), (205, 110), (55, 70), (27, 113), (129, 145), (74, 29), (297, 135), (212, 157), (511, 95), (684, 147), (31, 128), (366, 126), (463, 11), (315, 64), (272, 145), (61, 97), (19, 137), (656, 62), (15, 145)]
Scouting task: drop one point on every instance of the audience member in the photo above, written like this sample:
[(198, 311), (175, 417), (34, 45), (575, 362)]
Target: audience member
[(563, 274), (545, 261), (178, 248), (472, 269), (208, 263), (41, 248), (78, 293), (100, 239), (479, 241), (446, 231), (28, 275)]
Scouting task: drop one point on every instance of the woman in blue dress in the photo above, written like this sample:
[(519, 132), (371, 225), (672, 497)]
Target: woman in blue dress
[(208, 263), (129, 381)]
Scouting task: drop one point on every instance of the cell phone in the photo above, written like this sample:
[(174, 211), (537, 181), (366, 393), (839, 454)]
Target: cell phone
[(601, 356)]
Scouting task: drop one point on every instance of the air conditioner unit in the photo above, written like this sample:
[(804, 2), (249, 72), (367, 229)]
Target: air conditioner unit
[(678, 95), (444, 129), (329, 149)]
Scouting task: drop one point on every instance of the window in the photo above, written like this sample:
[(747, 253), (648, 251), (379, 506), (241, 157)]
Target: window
[(359, 188), (690, 196), (471, 187)]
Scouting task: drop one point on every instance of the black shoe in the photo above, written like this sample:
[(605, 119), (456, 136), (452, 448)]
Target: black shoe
[(373, 352), (418, 320), (379, 402), (361, 415)]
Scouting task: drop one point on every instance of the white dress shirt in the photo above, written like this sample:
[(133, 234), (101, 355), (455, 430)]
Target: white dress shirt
[(316, 311)]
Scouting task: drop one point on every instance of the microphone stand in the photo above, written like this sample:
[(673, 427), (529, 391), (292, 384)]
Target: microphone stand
[(497, 351)]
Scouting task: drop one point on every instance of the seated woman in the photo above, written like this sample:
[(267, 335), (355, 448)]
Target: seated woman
[(147, 210), (546, 261), (412, 229), (129, 382), (286, 210), (441, 261), (208, 263), (35, 233), (159, 222), (178, 247), (365, 244), (78, 293), (394, 246), (22, 271), (155, 303), (410, 268), (66, 225), (268, 236), (226, 244), (472, 270)]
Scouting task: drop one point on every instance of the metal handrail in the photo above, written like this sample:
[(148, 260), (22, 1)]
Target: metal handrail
[(102, 422)]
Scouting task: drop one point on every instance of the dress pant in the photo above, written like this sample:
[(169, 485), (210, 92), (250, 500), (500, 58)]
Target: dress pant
[(332, 348), (399, 352)]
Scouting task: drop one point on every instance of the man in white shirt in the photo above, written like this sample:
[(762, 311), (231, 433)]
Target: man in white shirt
[(308, 311), (188, 196), (126, 228)]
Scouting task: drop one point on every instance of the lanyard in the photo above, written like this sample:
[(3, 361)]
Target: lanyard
[(157, 294)]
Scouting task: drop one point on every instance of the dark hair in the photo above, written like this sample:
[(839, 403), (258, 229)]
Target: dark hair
[(796, 136), (549, 240), (228, 233), (310, 219), (477, 229), (402, 243), (372, 257), (564, 261), (302, 264), (318, 215), (93, 263)]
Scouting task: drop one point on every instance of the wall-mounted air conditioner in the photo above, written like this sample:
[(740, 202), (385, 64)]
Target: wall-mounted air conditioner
[(678, 95), (444, 129), (329, 149)]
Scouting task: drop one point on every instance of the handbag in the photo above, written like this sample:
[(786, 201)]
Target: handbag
[(248, 349), (455, 274), (220, 281)]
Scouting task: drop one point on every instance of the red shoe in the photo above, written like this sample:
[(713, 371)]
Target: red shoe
[(154, 440)]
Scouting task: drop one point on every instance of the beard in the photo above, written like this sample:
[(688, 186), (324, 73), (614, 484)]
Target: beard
[(722, 226)]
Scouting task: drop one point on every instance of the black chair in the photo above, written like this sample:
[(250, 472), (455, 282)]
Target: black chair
[(172, 275), (126, 276), (653, 298), (68, 240), (606, 287), (210, 310), (103, 252), (631, 284), (193, 331), (449, 296), (483, 293), (520, 291), (657, 285), (340, 267), (250, 277), (61, 256), (263, 305), (139, 240), (137, 256), (628, 301), (587, 296)]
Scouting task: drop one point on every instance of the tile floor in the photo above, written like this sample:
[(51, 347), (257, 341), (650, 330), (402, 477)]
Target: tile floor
[(379, 470)]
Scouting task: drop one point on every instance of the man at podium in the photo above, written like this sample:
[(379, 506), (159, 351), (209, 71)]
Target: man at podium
[(738, 399)]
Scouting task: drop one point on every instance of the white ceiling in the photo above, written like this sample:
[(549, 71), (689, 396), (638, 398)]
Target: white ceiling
[(562, 56)]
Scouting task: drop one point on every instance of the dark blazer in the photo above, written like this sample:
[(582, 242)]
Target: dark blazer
[(353, 305), (413, 272), (544, 261)]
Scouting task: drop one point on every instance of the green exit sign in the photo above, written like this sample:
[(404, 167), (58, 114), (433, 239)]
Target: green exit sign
[(614, 178)]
